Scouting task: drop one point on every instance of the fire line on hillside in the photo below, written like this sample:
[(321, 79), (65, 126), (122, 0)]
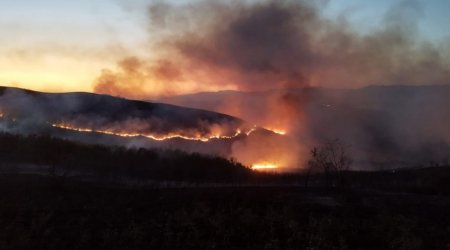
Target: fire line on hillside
[(157, 137), (162, 137), (202, 137)]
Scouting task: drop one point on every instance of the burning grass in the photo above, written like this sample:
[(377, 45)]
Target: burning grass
[(156, 137), (264, 166)]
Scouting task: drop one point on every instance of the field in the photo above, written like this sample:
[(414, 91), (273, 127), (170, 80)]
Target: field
[(38, 213), (60, 194)]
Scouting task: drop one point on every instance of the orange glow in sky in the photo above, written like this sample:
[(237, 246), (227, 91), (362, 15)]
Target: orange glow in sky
[(53, 75)]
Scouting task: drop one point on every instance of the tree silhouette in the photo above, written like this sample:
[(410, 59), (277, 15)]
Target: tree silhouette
[(332, 159)]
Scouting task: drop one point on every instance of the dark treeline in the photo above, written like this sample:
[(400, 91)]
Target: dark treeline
[(61, 157)]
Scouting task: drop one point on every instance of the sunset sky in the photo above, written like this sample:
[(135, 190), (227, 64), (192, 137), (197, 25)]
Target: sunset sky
[(63, 45)]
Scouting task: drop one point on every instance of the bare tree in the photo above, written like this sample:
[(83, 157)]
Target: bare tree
[(332, 159)]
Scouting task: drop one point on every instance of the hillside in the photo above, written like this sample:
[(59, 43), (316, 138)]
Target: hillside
[(94, 118), (385, 126), (100, 110)]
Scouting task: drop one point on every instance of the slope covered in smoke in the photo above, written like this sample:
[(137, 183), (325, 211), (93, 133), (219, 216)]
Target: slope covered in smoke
[(384, 126), (92, 110), (102, 108), (111, 120)]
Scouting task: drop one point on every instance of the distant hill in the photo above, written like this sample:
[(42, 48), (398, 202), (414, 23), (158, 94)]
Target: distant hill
[(383, 125), (105, 119), (57, 107)]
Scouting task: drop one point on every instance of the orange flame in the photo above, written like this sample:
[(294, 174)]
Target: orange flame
[(277, 131), (156, 137), (264, 166)]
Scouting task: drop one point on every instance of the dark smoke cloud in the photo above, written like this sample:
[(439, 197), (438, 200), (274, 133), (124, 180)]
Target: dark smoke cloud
[(261, 44), (277, 44)]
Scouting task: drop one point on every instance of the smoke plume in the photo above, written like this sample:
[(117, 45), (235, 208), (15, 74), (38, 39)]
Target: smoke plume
[(209, 45), (286, 45)]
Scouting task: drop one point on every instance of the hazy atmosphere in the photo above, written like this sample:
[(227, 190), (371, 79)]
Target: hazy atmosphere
[(204, 124), (148, 48)]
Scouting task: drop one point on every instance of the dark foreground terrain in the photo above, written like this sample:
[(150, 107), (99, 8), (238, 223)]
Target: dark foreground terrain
[(60, 194), (37, 212)]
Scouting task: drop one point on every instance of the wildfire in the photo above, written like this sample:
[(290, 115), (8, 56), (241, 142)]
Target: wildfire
[(264, 166), (156, 137), (277, 131)]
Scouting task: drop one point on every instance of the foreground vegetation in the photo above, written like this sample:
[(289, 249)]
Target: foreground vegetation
[(96, 197), (36, 215)]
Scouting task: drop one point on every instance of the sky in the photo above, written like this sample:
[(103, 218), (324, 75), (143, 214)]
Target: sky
[(63, 45)]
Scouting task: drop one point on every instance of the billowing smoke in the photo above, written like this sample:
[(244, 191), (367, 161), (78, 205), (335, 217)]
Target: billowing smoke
[(137, 78), (287, 44), (383, 126), (258, 45), (283, 152)]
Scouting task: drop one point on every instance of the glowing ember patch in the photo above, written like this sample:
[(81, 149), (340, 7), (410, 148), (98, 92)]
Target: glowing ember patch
[(280, 132), (277, 131), (264, 166), (156, 137)]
